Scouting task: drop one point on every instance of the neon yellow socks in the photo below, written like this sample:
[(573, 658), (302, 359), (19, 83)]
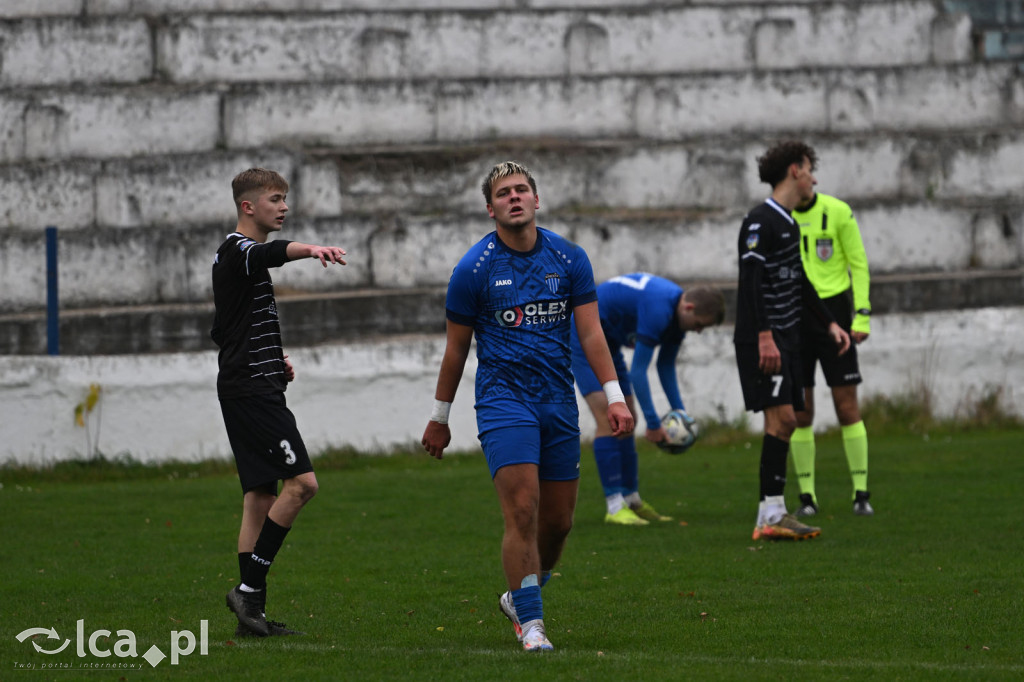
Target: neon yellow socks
[(801, 445), (855, 443)]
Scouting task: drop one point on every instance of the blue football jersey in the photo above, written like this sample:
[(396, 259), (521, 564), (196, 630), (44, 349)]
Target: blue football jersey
[(520, 305), (640, 306)]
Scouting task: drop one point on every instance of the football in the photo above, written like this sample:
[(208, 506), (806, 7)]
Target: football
[(682, 432)]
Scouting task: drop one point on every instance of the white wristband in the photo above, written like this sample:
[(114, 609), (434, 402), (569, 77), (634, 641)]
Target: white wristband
[(613, 391), (440, 412)]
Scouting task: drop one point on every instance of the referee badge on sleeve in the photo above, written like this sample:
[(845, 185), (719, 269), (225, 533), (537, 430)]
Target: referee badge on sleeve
[(823, 247)]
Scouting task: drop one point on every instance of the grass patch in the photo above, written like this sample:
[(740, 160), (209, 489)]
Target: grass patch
[(393, 571)]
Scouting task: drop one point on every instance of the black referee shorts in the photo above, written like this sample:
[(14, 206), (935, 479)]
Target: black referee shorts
[(265, 440), (762, 390), (818, 347)]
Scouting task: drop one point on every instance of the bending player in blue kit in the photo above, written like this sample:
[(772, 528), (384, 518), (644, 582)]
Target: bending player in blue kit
[(642, 312), (518, 290)]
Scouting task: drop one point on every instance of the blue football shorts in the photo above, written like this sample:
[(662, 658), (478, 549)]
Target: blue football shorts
[(545, 434)]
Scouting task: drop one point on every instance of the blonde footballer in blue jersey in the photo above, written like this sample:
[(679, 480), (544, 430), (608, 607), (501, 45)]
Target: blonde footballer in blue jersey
[(518, 290)]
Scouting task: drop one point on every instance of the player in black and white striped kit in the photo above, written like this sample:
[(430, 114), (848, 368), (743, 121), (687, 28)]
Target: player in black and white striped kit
[(771, 292), (254, 373)]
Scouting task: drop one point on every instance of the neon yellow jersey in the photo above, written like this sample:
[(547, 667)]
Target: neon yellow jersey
[(833, 254)]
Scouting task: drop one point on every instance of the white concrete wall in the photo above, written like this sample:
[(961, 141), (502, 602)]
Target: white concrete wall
[(132, 115), (377, 395)]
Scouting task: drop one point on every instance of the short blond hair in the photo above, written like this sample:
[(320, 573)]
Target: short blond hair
[(504, 170)]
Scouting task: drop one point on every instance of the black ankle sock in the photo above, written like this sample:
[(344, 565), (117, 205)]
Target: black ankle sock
[(773, 466), (267, 545)]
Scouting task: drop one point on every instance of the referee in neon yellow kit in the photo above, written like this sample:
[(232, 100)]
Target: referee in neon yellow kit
[(836, 264)]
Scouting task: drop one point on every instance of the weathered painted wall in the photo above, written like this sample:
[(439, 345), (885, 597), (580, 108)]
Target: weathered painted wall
[(377, 395), (123, 121)]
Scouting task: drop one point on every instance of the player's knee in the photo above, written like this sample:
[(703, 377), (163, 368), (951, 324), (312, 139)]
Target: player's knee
[(309, 490), (522, 522), (805, 418), (559, 527), (304, 488), (786, 424)]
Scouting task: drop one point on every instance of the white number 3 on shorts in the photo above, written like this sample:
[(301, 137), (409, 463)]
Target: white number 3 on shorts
[(289, 455)]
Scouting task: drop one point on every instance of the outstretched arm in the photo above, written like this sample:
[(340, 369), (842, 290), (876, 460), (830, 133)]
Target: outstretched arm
[(438, 435), (326, 254)]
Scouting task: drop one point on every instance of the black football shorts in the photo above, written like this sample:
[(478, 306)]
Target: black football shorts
[(264, 439), (818, 347), (762, 390)]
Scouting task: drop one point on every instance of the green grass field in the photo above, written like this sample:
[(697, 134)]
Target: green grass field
[(393, 571)]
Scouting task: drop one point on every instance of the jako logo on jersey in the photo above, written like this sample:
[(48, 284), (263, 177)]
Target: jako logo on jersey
[(533, 313), (502, 282)]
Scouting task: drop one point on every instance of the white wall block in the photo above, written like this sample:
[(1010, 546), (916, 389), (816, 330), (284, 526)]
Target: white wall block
[(17, 9), (843, 35), (535, 108), (423, 252), (921, 99), (865, 168), (952, 42), (23, 271), (316, 190), (12, 127), (330, 115), (671, 108), (684, 250), (49, 194), (997, 240), (171, 190), (916, 238), (994, 170), (61, 124), (55, 52)]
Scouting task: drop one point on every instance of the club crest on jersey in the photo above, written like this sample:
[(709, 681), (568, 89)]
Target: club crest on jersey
[(823, 247), (752, 240), (552, 279), (545, 312)]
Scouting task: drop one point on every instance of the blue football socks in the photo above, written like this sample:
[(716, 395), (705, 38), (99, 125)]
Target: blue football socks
[(527, 600), (609, 464), (629, 463)]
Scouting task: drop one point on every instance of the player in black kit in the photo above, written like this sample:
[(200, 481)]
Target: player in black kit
[(771, 292), (254, 372)]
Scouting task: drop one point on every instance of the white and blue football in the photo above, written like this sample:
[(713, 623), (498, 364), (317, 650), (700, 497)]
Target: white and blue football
[(682, 430)]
